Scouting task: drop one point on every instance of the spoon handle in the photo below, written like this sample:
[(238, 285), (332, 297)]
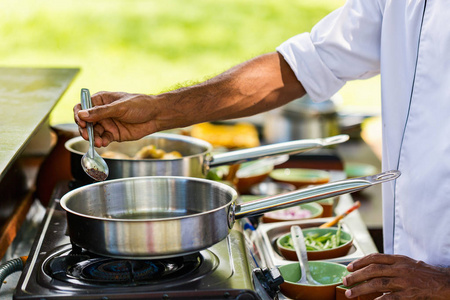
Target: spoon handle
[(300, 250), (86, 103), (341, 216)]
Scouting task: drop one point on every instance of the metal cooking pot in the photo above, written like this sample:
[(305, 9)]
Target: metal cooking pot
[(196, 160), (301, 119), (163, 216)]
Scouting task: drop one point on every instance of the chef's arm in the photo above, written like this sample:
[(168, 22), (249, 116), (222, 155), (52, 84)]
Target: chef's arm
[(255, 86)]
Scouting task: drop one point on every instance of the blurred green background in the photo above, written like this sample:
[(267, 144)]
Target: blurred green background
[(147, 46)]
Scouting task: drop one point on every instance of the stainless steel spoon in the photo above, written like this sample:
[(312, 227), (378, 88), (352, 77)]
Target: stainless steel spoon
[(300, 250), (93, 164)]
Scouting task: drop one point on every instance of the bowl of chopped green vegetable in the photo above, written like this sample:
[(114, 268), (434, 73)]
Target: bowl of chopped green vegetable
[(321, 243), (328, 274)]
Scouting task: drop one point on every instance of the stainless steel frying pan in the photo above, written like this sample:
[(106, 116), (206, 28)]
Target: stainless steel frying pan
[(163, 216)]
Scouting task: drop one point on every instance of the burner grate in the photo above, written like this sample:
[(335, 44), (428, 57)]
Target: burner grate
[(111, 271), (88, 268)]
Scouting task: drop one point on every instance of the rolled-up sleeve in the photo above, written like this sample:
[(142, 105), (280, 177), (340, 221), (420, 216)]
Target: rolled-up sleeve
[(343, 46)]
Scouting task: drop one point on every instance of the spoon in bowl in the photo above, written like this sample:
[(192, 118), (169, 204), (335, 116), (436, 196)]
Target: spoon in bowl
[(93, 164), (300, 250)]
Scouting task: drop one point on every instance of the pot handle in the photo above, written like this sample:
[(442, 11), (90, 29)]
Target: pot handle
[(292, 147), (260, 206)]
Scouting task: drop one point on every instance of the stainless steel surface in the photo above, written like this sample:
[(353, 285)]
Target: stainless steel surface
[(148, 217), (300, 250), (93, 164), (161, 216), (196, 160)]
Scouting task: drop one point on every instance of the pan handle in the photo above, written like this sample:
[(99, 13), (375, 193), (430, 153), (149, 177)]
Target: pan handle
[(312, 194), (292, 147)]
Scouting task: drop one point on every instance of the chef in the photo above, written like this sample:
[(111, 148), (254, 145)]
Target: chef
[(408, 43)]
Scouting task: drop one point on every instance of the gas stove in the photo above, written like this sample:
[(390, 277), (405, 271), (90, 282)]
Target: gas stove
[(56, 269), (242, 266)]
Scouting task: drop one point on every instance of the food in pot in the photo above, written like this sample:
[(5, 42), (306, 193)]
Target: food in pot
[(319, 242), (114, 154), (146, 152), (151, 151)]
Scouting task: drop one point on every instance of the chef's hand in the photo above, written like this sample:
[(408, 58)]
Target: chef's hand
[(118, 117), (398, 277)]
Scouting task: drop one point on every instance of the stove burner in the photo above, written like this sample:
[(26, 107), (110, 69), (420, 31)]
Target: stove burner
[(112, 270), (88, 268)]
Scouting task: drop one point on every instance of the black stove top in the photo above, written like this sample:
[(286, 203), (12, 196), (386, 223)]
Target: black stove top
[(57, 270), (84, 269)]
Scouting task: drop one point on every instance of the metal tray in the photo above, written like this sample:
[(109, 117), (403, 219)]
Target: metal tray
[(266, 234)]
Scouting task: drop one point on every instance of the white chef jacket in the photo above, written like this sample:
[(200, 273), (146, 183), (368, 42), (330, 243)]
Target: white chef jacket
[(408, 43)]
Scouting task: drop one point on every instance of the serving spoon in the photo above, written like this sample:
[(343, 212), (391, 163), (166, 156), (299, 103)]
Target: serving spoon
[(93, 164), (300, 250)]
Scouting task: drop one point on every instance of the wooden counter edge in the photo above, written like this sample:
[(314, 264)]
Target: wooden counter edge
[(9, 230)]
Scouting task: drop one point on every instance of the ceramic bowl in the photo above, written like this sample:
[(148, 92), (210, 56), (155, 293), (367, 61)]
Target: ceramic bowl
[(329, 274), (288, 251), (271, 188), (299, 177), (359, 169), (299, 212), (248, 198), (251, 173), (328, 205)]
